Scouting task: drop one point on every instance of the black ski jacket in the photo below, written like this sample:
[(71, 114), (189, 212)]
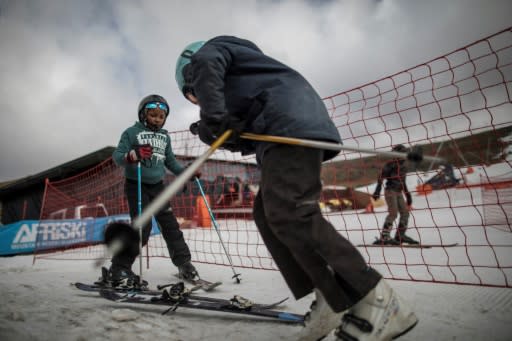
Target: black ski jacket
[(394, 172), (233, 77)]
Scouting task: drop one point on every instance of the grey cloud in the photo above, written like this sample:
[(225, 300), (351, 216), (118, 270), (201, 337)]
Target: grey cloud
[(73, 72)]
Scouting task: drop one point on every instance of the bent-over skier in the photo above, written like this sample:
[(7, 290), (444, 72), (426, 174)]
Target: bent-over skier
[(240, 88)]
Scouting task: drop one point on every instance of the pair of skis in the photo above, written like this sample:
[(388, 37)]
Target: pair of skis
[(198, 282), (148, 292), (176, 296)]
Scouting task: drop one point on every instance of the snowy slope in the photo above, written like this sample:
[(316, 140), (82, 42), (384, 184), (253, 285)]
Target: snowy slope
[(37, 302)]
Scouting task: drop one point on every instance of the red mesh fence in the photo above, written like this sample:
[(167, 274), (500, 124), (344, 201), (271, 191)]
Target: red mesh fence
[(457, 107)]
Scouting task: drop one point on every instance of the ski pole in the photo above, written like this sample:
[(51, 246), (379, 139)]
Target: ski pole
[(139, 212), (214, 221), (116, 231), (416, 155)]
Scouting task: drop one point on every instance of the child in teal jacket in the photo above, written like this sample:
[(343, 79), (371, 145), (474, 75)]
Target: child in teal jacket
[(148, 143)]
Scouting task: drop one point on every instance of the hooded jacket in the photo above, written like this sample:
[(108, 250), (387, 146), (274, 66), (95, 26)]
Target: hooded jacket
[(153, 170), (233, 78)]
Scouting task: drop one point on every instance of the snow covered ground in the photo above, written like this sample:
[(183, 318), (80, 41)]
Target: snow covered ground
[(37, 301)]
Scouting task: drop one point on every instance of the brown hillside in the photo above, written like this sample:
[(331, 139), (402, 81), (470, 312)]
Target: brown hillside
[(482, 148)]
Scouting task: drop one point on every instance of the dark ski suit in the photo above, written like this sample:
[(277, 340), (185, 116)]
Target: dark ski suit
[(394, 172)]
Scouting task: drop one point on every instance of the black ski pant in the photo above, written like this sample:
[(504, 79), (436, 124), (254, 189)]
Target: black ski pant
[(169, 226), (307, 249)]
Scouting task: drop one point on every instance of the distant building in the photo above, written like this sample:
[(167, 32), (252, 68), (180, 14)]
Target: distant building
[(21, 199)]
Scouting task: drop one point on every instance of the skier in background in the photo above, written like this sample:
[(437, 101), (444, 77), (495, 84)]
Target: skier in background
[(237, 87), (395, 172), (147, 142), (444, 178)]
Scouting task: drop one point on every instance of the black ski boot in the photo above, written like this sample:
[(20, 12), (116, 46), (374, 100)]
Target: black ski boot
[(405, 239), (124, 278), (402, 238), (187, 271), (385, 238)]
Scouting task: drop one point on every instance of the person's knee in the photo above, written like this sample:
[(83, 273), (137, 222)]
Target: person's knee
[(306, 210), (280, 217), (166, 219), (392, 216), (404, 215)]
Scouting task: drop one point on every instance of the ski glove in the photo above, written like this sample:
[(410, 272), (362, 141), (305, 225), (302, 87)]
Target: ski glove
[(210, 132), (138, 153), (416, 154)]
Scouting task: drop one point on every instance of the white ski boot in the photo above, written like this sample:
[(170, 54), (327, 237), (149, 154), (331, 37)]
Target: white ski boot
[(380, 316), (320, 320)]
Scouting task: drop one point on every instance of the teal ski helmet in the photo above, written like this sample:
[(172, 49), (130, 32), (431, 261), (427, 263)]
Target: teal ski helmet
[(184, 60)]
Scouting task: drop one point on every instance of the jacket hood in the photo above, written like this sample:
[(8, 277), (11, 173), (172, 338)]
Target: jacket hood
[(235, 41)]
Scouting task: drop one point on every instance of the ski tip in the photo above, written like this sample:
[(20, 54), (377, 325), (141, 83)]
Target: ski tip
[(291, 317), (275, 304), (283, 300), (82, 286), (209, 287)]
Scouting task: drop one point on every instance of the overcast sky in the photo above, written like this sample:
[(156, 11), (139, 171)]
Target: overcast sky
[(73, 72)]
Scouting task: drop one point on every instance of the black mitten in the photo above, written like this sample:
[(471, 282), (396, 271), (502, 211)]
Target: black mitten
[(210, 132)]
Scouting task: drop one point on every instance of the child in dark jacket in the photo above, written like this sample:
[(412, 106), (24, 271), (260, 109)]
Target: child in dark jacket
[(239, 88), (148, 143)]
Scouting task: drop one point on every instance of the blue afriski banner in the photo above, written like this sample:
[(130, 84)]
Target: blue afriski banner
[(28, 235)]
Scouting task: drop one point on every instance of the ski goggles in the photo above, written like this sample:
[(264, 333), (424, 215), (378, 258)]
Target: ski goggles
[(158, 105)]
